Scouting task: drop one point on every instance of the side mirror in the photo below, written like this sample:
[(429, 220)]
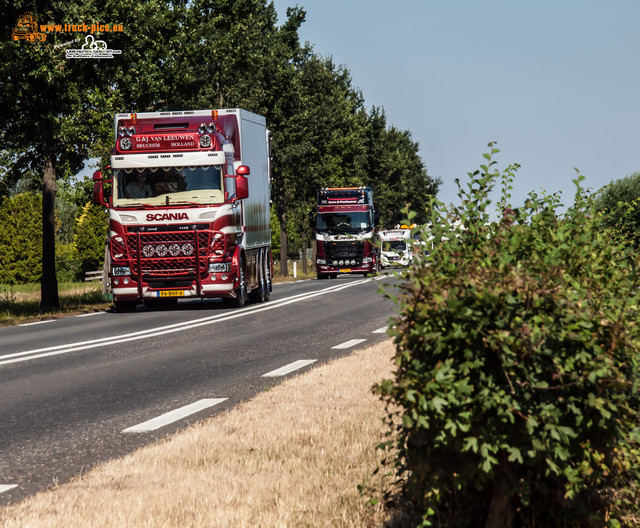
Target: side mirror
[(98, 189), (242, 187), (242, 182)]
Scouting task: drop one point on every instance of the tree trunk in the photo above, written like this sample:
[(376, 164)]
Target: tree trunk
[(49, 282), (284, 272), (500, 510)]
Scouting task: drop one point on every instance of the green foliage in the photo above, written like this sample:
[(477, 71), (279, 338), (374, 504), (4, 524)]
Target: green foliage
[(395, 171), (67, 264), (619, 202), (517, 366), (20, 239), (181, 56), (89, 238)]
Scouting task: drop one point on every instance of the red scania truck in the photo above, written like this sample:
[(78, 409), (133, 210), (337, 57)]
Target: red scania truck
[(188, 199), (345, 225)]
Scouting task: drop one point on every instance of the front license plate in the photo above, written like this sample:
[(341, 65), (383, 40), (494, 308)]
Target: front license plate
[(345, 270), (171, 293)]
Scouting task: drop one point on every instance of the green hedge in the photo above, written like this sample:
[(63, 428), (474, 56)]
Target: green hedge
[(517, 367), (90, 238), (21, 239)]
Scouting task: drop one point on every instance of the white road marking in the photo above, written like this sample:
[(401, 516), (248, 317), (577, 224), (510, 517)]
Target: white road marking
[(90, 314), (382, 330), (7, 487), (282, 371), (28, 355), (38, 322), (349, 344), (174, 416)]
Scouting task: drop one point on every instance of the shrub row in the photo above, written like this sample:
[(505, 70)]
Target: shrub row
[(515, 400)]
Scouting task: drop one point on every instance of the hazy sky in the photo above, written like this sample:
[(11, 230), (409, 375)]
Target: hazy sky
[(555, 82)]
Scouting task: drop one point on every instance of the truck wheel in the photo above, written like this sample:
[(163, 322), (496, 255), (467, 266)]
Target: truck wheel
[(267, 275), (322, 277), (241, 292), (260, 293), (125, 306)]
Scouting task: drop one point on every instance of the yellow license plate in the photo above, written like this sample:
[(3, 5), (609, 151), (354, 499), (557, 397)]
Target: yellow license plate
[(171, 293), (345, 270)]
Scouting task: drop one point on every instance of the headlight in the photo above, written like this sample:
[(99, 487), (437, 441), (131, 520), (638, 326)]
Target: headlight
[(366, 260), (219, 267), (125, 143), (321, 261), (174, 250), (161, 250), (120, 271), (205, 141), (147, 251), (187, 249)]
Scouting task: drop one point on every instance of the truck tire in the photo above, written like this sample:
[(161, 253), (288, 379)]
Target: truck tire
[(260, 293), (241, 292), (267, 277)]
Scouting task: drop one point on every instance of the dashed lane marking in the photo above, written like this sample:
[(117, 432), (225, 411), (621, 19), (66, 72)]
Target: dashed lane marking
[(289, 368), (382, 330), (173, 416), (7, 487), (349, 344)]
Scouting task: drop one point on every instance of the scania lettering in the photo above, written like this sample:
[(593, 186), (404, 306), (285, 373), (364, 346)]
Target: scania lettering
[(345, 225), (188, 195), (167, 216)]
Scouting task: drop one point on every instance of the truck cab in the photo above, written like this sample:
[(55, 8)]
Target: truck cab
[(345, 232)]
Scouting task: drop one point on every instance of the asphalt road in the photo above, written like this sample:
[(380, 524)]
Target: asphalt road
[(77, 391)]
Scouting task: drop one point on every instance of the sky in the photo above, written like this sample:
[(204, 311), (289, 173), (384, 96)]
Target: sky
[(555, 83)]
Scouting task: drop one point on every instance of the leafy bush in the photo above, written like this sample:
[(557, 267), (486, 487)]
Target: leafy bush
[(66, 263), (21, 239), (517, 367), (619, 202), (89, 238)]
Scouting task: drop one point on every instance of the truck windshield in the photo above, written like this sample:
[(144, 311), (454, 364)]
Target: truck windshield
[(165, 185), (343, 222), (394, 245)]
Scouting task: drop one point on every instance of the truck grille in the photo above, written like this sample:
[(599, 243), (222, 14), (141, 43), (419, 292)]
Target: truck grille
[(168, 254), (343, 250)]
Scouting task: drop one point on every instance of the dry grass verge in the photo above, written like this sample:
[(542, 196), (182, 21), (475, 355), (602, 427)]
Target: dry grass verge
[(294, 456)]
